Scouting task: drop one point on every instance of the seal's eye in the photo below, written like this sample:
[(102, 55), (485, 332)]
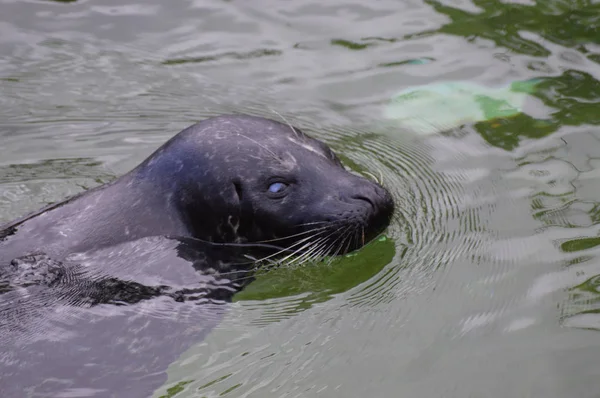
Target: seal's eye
[(277, 187)]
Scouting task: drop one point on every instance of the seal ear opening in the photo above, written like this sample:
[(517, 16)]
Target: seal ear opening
[(238, 190)]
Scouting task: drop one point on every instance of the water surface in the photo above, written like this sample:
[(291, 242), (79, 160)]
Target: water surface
[(486, 284)]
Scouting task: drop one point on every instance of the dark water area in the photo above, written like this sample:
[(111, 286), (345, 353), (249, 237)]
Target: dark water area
[(485, 285)]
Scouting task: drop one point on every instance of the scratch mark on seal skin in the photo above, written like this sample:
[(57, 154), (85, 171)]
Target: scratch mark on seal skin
[(261, 145), (306, 146), (291, 162)]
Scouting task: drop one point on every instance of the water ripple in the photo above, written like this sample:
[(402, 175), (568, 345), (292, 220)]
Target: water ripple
[(492, 252)]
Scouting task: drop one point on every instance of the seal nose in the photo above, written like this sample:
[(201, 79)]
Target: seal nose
[(365, 198), (379, 202)]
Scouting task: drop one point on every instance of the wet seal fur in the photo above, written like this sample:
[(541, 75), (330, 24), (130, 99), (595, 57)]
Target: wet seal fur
[(180, 229)]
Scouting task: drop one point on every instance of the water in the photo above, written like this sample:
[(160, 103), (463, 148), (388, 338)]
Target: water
[(486, 284)]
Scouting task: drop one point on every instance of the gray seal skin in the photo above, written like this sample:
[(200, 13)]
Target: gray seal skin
[(100, 293)]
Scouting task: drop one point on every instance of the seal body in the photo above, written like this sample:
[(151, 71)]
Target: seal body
[(101, 292), (108, 323)]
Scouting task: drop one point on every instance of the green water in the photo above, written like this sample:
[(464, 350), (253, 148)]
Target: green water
[(486, 284)]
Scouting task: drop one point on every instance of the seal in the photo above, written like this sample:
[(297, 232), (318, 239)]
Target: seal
[(100, 293), (228, 179)]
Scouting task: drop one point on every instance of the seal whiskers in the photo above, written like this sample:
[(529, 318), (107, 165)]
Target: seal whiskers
[(291, 236), (312, 254), (317, 248), (303, 243)]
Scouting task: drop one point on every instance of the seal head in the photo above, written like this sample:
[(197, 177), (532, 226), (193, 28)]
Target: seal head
[(249, 179)]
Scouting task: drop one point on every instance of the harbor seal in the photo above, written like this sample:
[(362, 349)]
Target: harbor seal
[(101, 292), (227, 179)]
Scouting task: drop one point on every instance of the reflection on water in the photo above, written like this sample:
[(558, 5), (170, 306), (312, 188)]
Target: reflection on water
[(486, 282), (520, 27), (35, 185)]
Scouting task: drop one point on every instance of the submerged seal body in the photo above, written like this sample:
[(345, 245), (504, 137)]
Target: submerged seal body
[(227, 179), (99, 293)]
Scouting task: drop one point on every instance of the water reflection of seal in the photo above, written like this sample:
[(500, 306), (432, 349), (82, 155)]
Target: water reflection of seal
[(228, 179), (99, 293)]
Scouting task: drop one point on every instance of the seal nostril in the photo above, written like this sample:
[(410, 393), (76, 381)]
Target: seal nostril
[(365, 199)]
